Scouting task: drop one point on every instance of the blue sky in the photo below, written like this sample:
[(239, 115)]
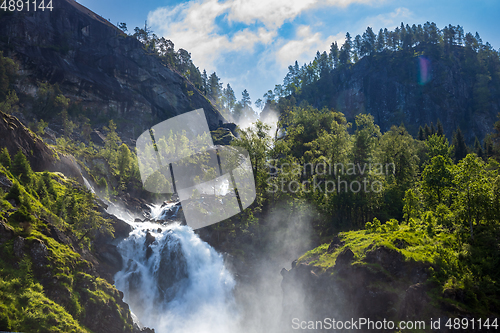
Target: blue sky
[(250, 43)]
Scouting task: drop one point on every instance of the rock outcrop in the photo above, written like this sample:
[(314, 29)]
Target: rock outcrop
[(15, 136), (384, 286)]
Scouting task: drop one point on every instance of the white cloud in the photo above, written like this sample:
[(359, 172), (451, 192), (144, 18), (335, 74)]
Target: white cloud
[(305, 46), (192, 25), (388, 20)]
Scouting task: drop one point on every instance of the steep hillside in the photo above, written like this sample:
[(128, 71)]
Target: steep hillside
[(56, 268), (105, 72)]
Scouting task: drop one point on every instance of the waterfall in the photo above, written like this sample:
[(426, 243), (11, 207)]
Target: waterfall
[(173, 281), (87, 185)]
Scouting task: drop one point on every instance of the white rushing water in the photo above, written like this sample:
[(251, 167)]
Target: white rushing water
[(173, 281)]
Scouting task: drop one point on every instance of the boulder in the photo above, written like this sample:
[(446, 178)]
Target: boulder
[(170, 279), (15, 136), (39, 253), (97, 138), (6, 232), (344, 258), (334, 244), (5, 183), (415, 302), (19, 243)]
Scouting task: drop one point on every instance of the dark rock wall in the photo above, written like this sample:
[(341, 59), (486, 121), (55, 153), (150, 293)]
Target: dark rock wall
[(95, 63)]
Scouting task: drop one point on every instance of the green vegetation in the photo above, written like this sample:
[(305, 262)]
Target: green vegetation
[(52, 292), (455, 266), (432, 210)]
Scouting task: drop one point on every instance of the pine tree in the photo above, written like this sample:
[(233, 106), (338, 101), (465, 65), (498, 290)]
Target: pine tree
[(380, 41), (103, 185), (112, 138), (124, 160), (421, 134), (230, 98), (460, 148), (440, 129), (345, 51), (245, 99), (433, 129), (15, 193), (204, 81), (478, 149), (49, 185), (5, 158), (334, 55), (488, 146), (427, 131), (214, 88), (21, 168)]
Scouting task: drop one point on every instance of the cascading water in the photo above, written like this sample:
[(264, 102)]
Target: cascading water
[(173, 281)]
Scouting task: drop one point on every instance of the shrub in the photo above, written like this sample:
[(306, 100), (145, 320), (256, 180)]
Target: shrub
[(5, 158)]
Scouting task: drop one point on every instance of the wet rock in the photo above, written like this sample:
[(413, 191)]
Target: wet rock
[(122, 228), (390, 259), (170, 280), (383, 289), (108, 254), (415, 301), (149, 239)]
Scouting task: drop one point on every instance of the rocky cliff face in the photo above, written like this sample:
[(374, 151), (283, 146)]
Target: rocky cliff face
[(96, 64)]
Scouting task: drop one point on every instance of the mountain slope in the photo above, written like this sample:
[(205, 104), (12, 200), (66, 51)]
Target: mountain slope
[(106, 72), (412, 75)]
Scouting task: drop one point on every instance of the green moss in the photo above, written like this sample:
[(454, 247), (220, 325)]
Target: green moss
[(24, 304)]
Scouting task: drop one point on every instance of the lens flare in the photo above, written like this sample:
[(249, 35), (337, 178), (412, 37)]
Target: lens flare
[(424, 70)]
